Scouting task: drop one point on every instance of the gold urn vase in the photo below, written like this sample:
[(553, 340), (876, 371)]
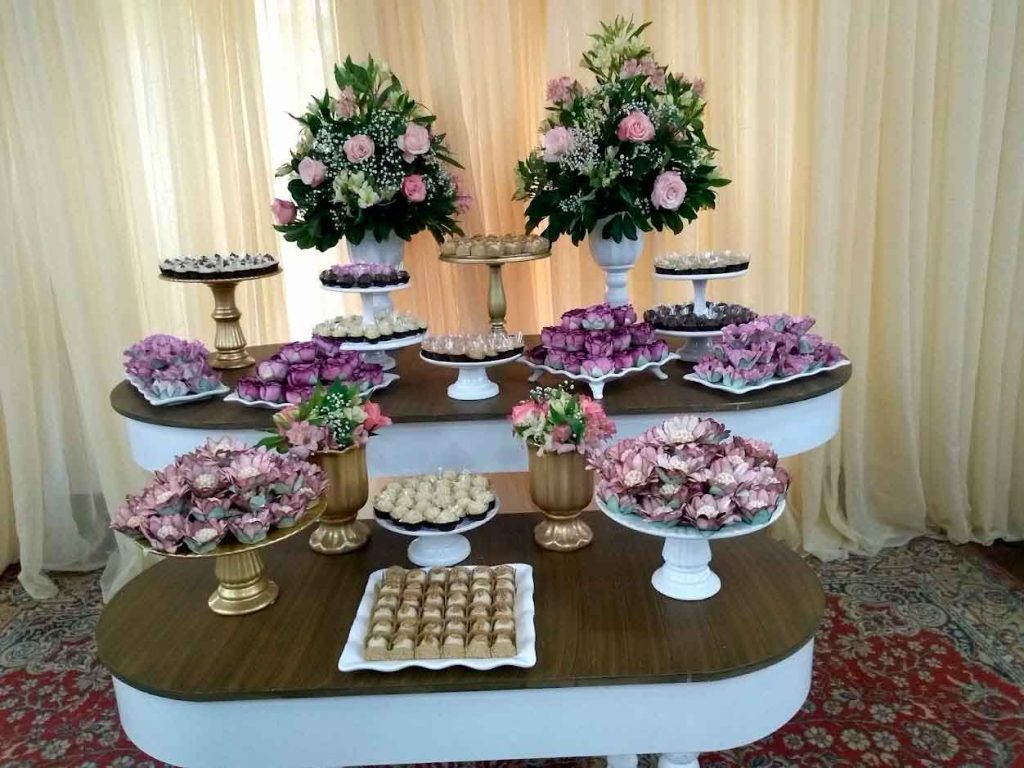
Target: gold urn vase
[(348, 488), (562, 486)]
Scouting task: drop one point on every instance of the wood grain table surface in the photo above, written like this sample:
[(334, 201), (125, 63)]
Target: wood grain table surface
[(420, 395), (598, 619)]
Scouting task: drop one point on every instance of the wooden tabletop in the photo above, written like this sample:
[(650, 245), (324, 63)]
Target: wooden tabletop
[(421, 395), (598, 619)]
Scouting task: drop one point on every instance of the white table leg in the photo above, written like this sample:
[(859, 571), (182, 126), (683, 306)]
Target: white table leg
[(622, 761), (678, 760)]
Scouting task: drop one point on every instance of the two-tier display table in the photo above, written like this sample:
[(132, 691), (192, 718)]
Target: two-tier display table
[(620, 669)]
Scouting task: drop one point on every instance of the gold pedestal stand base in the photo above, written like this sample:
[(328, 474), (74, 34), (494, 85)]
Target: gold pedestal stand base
[(497, 305), (243, 586), (229, 339), (562, 534), (339, 538)]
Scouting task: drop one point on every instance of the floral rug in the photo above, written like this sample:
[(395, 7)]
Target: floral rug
[(920, 662)]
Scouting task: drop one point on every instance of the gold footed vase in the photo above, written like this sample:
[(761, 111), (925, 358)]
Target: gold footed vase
[(348, 488), (562, 486)]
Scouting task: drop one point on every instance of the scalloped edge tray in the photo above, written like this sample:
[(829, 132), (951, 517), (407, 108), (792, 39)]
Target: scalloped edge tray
[(600, 379), (352, 658), (389, 378), (222, 389), (764, 384)]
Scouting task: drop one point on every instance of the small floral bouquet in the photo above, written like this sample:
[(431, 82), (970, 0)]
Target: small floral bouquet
[(223, 488), (690, 472), (557, 420), (332, 419), (772, 346), (598, 340), (165, 366), (631, 147), (367, 161), (290, 374)]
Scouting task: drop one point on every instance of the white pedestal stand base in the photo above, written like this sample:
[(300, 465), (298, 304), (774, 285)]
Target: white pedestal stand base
[(383, 359), (622, 761), (439, 551), (678, 760), (686, 574), (472, 384), (694, 348)]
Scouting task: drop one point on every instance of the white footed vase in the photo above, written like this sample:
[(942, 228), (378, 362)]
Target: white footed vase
[(616, 259), (391, 251)]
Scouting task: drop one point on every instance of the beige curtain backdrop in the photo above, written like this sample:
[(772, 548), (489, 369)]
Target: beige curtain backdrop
[(877, 153)]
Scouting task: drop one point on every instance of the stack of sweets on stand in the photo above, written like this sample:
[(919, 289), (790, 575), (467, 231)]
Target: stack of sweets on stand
[(472, 348), (443, 613), (387, 326), (598, 340), (362, 275)]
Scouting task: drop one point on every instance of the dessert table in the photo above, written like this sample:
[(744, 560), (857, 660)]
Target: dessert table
[(432, 430), (620, 670)]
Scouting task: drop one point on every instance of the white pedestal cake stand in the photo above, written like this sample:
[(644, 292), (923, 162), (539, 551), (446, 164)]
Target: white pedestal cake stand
[(472, 383), (376, 300), (378, 353), (686, 574), (439, 549), (697, 343)]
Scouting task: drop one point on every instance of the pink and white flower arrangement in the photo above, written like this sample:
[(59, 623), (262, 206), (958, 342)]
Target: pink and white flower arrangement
[(689, 471), (597, 340), (221, 489), (630, 148), (558, 420), (290, 375), (329, 419), (770, 347), (367, 162), (165, 366)]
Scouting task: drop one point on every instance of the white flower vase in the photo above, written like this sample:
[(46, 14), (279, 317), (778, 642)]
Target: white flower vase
[(616, 259), (390, 252)]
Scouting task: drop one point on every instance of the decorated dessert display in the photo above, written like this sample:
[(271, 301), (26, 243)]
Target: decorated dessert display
[(689, 480), (332, 427), (495, 251), (361, 277), (770, 350), (223, 500), (351, 329), (683, 317), (480, 617), (232, 266), (560, 428), (597, 344), (701, 263), (167, 370), (620, 157), (290, 375), (437, 509), (472, 355)]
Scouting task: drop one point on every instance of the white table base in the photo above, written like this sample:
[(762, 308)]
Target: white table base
[(675, 719)]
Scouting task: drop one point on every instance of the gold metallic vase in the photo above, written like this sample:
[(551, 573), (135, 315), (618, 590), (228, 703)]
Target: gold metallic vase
[(348, 488), (562, 486)]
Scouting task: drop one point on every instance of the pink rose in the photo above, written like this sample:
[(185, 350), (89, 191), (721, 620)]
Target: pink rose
[(698, 86), (669, 190), (557, 142), (312, 171), (630, 68), (560, 89), (415, 141), (358, 148), (283, 211), (375, 417), (463, 200), (345, 104), (636, 126), (527, 412), (414, 188)]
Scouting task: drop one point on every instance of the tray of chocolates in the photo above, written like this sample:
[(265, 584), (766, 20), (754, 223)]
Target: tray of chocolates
[(217, 266), (681, 318), (469, 616), (367, 278), (701, 264)]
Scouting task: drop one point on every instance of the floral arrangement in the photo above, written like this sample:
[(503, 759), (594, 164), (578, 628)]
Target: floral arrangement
[(331, 419), (598, 340), (558, 420), (367, 161), (223, 488), (291, 374), (165, 366), (690, 472), (631, 147), (772, 346)]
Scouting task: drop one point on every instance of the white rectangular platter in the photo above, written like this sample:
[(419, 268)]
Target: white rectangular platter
[(352, 658), (764, 384)]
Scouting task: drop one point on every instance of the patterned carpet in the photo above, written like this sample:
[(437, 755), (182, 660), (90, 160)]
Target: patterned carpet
[(920, 662)]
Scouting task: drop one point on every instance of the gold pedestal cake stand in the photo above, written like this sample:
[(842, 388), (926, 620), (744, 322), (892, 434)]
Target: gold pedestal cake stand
[(497, 306), (229, 341)]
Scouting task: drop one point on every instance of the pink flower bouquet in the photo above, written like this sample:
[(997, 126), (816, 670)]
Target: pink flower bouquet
[(689, 471), (631, 147), (331, 419), (165, 366), (223, 489), (770, 347), (557, 420)]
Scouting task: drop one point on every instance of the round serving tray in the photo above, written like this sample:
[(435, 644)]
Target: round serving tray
[(701, 275), (510, 259), (381, 346), (217, 280), (371, 290), (473, 382), (433, 548)]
